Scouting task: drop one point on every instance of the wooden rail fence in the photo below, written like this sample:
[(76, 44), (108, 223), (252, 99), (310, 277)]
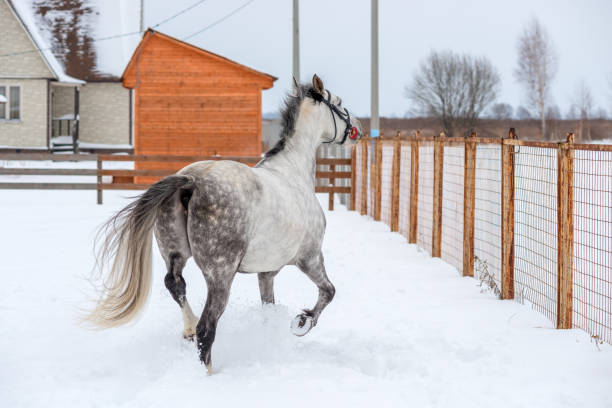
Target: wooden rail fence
[(102, 183)]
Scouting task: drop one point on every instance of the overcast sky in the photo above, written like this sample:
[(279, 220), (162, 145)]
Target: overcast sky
[(335, 42)]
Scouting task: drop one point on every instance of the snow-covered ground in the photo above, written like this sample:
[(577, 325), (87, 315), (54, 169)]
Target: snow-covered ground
[(403, 330)]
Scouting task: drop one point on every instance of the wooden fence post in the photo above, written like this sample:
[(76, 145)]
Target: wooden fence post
[(353, 176), (436, 232), (364, 177), (99, 179), (332, 184), (414, 188), (395, 182), (565, 232), (469, 198), (378, 180), (507, 209), (373, 178)]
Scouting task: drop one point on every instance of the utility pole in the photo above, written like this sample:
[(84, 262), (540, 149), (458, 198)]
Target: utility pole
[(142, 15), (296, 40), (374, 119)]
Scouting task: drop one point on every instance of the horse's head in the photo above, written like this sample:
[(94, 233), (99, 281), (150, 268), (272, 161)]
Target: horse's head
[(338, 125)]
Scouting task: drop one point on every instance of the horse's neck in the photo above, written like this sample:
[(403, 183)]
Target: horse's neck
[(298, 158)]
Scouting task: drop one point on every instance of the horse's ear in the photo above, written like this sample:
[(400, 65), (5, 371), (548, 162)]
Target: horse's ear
[(317, 83), (296, 88)]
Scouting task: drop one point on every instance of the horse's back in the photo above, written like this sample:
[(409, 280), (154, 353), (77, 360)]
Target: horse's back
[(221, 170), (276, 220), (224, 179)]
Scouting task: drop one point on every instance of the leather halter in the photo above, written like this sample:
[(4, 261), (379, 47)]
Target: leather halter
[(344, 116)]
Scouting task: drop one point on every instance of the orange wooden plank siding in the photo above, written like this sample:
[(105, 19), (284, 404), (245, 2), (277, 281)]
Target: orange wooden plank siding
[(189, 101)]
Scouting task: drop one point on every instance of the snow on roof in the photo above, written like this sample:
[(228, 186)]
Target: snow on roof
[(25, 15), (116, 17), (78, 32)]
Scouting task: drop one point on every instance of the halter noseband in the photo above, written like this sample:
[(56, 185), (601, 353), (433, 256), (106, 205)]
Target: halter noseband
[(346, 118)]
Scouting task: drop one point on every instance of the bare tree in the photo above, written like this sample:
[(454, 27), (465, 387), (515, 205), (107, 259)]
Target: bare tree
[(553, 112), (454, 88), (599, 113), (583, 106), (501, 111), (522, 113), (572, 113), (537, 66), (553, 115)]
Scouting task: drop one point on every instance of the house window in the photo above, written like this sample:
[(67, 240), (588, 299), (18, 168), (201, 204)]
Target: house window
[(3, 102), (10, 102), (15, 103)]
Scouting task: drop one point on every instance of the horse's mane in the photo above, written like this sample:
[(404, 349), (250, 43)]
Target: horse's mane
[(289, 115)]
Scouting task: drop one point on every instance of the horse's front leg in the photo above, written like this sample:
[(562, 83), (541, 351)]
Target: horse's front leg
[(266, 286), (314, 268)]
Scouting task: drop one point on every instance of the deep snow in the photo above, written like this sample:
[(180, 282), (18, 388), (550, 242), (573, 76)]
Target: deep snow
[(403, 330)]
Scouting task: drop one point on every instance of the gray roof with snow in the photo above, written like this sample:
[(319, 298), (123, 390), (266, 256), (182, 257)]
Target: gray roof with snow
[(73, 35)]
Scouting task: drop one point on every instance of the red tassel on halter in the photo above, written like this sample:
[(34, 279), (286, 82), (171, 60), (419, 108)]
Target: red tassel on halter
[(354, 133)]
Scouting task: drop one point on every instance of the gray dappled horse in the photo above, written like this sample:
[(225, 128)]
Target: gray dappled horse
[(230, 218)]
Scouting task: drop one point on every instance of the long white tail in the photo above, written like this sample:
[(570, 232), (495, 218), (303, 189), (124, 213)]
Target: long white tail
[(127, 242)]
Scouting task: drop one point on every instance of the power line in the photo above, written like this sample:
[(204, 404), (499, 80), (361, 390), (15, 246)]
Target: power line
[(179, 13), (219, 21), (111, 37), (67, 51)]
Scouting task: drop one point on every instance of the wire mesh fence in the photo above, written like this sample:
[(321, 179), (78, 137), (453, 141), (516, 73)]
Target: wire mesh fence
[(404, 188), (487, 212), (592, 266), (452, 205), (535, 228), (425, 196), (386, 176), (558, 265)]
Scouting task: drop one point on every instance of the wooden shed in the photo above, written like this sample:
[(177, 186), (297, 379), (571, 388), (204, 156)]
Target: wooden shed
[(189, 101)]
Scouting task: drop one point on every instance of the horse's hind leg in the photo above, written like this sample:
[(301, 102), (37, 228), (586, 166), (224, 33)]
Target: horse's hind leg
[(218, 259), (216, 300), (266, 286), (171, 234), (314, 268), (217, 230), (178, 289)]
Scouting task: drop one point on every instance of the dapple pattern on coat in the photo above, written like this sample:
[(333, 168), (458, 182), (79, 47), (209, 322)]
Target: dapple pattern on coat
[(231, 218)]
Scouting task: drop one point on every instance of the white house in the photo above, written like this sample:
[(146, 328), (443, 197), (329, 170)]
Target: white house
[(59, 82)]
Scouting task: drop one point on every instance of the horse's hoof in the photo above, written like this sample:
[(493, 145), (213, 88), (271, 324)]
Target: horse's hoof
[(209, 369), (189, 335), (302, 324)]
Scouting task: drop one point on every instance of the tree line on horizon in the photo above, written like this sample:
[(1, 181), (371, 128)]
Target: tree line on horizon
[(460, 89)]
